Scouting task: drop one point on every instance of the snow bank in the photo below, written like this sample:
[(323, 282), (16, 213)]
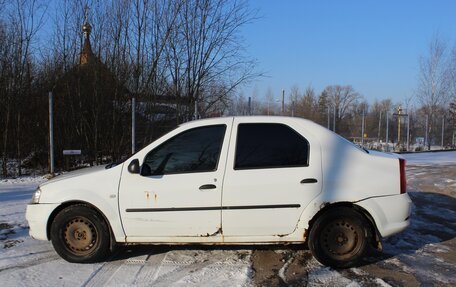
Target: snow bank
[(27, 180), (431, 158)]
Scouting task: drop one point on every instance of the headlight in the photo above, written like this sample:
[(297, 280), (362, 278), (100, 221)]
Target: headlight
[(36, 196)]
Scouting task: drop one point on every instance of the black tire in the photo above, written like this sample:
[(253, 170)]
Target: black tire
[(79, 234), (339, 237)]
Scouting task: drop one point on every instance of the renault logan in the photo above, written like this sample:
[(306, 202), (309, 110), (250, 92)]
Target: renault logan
[(241, 180)]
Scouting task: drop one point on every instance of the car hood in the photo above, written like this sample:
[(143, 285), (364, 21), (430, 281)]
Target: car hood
[(76, 173)]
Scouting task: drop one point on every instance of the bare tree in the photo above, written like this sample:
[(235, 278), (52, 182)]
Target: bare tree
[(24, 20), (239, 106), (173, 54), (434, 82), (452, 74), (270, 102), (343, 99), (307, 104), (206, 51)]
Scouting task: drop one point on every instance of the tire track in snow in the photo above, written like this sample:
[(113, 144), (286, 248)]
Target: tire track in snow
[(33, 262), (102, 275), (140, 270), (158, 260), (179, 273), (150, 269), (134, 271), (199, 270), (362, 278)]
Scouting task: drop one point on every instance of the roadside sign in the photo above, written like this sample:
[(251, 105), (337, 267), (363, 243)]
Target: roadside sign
[(71, 152)]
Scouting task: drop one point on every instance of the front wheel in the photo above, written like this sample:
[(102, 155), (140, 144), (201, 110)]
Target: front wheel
[(79, 234), (339, 237)]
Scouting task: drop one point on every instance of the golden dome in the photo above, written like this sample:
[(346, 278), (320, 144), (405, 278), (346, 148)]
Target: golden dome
[(86, 28)]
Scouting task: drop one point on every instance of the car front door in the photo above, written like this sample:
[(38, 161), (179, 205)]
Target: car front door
[(178, 192), (271, 176)]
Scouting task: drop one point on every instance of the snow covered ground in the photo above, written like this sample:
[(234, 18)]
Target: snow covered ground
[(431, 158), (424, 254), (28, 262)]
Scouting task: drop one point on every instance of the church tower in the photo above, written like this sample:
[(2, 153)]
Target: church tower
[(86, 53)]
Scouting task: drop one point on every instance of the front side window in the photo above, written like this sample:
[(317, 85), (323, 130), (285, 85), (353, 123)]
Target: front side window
[(195, 150), (267, 145)]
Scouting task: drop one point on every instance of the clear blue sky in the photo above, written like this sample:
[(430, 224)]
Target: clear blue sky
[(372, 45)]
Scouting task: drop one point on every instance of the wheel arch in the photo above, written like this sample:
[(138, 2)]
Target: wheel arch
[(79, 202), (375, 239)]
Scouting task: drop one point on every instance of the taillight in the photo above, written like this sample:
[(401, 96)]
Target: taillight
[(403, 178)]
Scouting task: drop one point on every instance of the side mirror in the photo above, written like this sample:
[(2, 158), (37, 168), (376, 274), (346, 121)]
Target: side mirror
[(133, 167)]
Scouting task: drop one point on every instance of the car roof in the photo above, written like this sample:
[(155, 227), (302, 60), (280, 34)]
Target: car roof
[(279, 119)]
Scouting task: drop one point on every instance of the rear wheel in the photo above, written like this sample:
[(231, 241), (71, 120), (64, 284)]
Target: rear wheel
[(339, 237), (79, 234)]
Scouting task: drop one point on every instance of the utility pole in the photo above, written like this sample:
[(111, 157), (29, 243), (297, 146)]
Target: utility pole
[(133, 124), (362, 130), (51, 134), (426, 131), (399, 110), (387, 131), (250, 106), (443, 129), (283, 102), (399, 114), (195, 115), (379, 126), (334, 119), (408, 132), (453, 117), (329, 117)]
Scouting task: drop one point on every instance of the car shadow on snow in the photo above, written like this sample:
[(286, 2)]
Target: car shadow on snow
[(433, 220), (127, 252), (131, 251)]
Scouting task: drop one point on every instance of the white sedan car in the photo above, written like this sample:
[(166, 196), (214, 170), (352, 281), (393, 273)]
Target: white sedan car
[(236, 180)]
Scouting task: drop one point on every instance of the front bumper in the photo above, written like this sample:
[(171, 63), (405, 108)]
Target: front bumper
[(390, 213), (37, 216)]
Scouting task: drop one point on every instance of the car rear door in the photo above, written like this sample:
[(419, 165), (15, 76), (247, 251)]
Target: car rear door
[(273, 172)]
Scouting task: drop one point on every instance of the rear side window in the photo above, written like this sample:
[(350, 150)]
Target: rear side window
[(195, 150), (270, 146)]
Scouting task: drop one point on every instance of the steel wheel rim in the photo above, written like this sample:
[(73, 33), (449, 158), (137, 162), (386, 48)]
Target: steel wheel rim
[(80, 236), (341, 239)]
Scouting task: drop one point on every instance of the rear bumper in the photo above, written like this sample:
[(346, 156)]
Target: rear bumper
[(390, 213), (37, 216)]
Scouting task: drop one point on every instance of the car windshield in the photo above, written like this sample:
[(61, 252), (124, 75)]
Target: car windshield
[(125, 157)]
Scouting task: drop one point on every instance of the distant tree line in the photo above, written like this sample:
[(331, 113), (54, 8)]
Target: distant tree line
[(429, 115), (342, 109)]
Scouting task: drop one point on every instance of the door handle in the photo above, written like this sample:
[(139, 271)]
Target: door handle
[(309, 180), (207, 186)]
